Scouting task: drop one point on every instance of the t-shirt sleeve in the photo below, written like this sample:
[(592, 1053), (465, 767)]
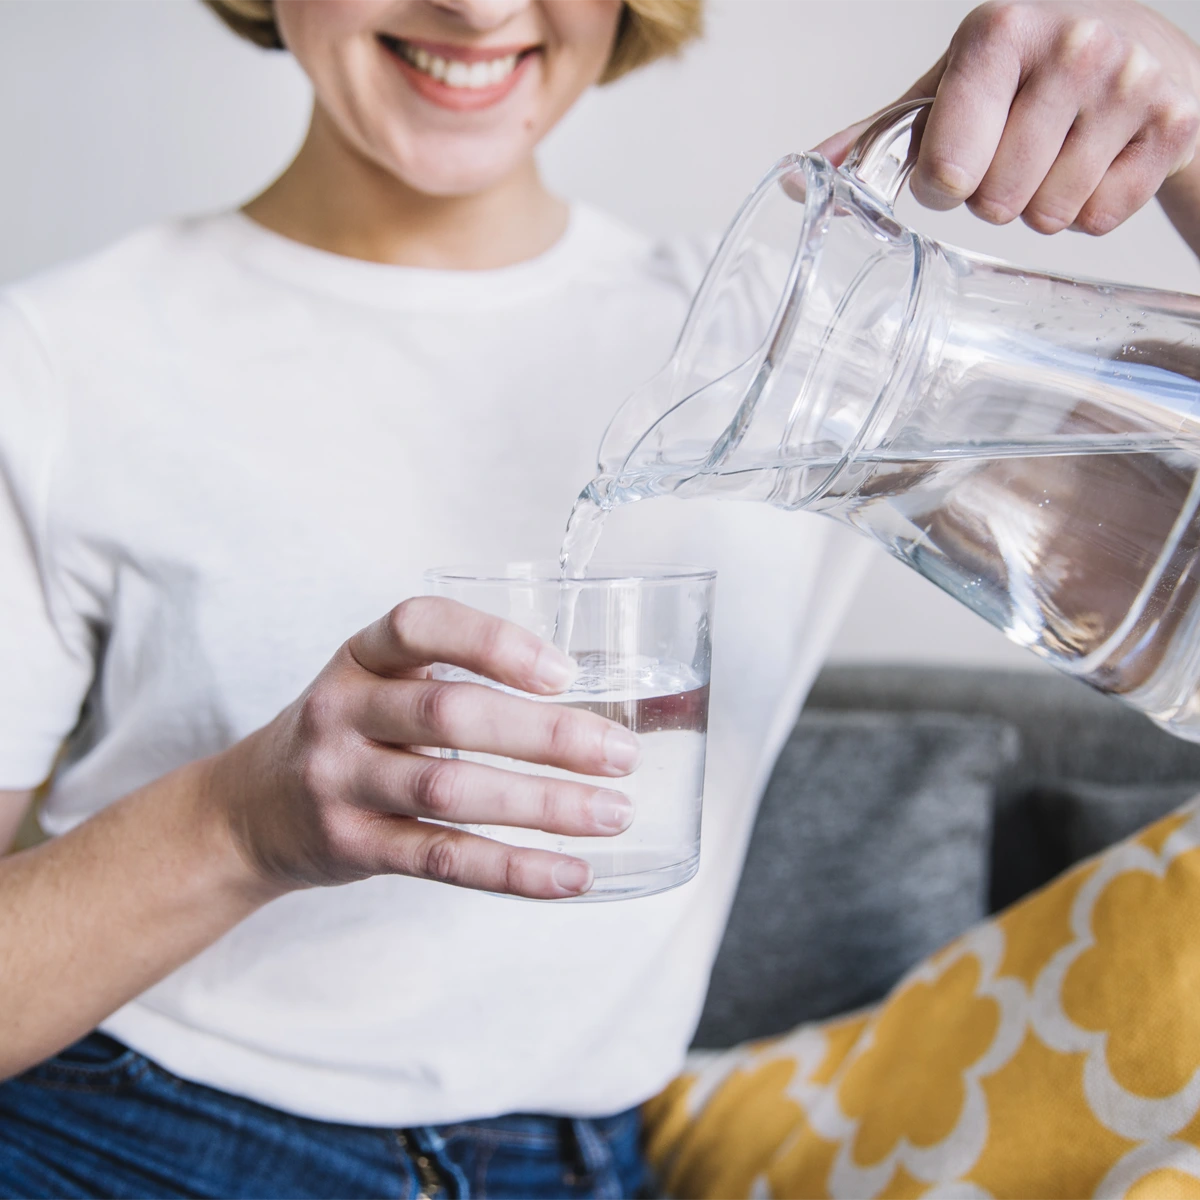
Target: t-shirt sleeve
[(46, 654)]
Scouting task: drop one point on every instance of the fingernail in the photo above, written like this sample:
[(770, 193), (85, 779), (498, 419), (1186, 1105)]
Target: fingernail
[(554, 670), (572, 875), (621, 750), (612, 810)]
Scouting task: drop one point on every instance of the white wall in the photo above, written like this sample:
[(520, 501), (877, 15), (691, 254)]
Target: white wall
[(117, 112)]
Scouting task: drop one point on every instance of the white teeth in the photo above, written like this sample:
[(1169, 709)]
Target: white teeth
[(458, 74)]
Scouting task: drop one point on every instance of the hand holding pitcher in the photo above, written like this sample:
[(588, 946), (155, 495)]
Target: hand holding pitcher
[(1067, 115)]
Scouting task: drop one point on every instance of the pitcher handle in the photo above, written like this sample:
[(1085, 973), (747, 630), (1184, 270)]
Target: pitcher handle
[(886, 152)]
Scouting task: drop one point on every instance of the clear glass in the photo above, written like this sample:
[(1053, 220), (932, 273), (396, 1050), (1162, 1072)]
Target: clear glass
[(641, 637), (1028, 442)]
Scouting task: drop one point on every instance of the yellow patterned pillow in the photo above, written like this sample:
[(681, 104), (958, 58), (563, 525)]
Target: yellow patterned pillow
[(1051, 1051)]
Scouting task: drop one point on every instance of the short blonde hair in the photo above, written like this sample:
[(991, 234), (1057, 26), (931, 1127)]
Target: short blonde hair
[(648, 29)]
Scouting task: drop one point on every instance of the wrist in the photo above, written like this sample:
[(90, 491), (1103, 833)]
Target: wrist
[(224, 788), (1179, 196), (1179, 193)]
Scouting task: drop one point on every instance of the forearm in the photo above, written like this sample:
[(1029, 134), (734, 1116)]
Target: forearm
[(91, 919), (1180, 199)]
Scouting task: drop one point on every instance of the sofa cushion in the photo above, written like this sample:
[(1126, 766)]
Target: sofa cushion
[(1068, 730), (1083, 817), (1051, 1051), (1069, 734), (870, 850)]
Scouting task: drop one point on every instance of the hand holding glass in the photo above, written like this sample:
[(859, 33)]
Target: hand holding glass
[(640, 638)]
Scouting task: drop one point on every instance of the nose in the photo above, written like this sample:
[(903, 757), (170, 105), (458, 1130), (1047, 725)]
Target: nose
[(481, 16)]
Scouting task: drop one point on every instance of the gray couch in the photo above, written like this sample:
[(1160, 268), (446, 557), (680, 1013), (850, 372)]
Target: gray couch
[(908, 804)]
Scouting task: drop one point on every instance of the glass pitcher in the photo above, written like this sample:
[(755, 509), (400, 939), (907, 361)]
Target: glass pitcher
[(1028, 442)]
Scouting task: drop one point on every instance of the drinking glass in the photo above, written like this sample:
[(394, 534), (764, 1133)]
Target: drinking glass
[(640, 635)]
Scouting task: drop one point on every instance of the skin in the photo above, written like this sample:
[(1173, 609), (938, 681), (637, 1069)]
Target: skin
[(1067, 115), (385, 176)]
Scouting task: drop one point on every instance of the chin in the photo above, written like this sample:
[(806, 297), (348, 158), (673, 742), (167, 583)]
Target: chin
[(449, 170)]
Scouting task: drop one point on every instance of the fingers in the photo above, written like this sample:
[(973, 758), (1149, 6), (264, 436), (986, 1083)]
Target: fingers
[(1118, 152), (1067, 115), (1038, 125), (1109, 168), (927, 85), (469, 716), (443, 789), (436, 852), (1078, 171), (836, 148), (1125, 187), (968, 118), (429, 629)]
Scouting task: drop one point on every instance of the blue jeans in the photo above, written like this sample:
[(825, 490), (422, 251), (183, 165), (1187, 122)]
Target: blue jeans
[(100, 1119)]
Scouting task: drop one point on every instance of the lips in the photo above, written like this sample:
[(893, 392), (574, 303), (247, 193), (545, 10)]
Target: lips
[(458, 77)]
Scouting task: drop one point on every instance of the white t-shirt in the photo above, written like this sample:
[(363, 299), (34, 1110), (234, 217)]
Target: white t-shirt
[(222, 454)]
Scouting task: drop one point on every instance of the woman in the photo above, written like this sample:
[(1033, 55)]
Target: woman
[(228, 443)]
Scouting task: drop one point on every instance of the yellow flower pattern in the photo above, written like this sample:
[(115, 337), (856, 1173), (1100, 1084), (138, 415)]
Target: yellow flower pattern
[(1052, 1051), (1165, 1184), (908, 1044), (1142, 925)]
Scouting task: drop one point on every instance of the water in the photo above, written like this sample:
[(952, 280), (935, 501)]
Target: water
[(666, 705), (584, 527), (1087, 551), (1088, 558)]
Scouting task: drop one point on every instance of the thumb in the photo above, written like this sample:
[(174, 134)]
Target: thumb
[(836, 147)]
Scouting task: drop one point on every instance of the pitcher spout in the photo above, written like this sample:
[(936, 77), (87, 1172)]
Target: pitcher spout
[(659, 440)]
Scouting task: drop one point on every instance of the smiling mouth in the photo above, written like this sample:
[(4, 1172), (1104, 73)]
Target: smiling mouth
[(475, 74)]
